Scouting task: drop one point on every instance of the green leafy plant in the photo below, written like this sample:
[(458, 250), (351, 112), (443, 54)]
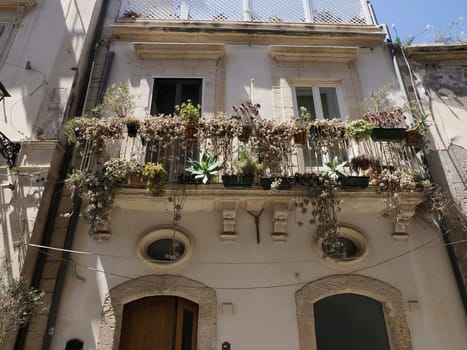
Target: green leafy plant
[(119, 100), (206, 169), (359, 129), (157, 177), (246, 162), (336, 168), (17, 301), (98, 191), (189, 112)]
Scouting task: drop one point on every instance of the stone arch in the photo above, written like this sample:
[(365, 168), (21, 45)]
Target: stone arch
[(154, 285), (388, 296)]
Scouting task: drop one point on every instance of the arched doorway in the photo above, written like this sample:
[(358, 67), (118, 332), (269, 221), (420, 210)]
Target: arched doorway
[(350, 321), (159, 322)]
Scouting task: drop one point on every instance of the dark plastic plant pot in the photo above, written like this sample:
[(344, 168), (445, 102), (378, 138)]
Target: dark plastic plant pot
[(237, 181), (132, 130), (353, 181), (388, 134)]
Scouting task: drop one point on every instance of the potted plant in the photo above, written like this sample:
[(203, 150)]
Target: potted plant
[(119, 100), (388, 126), (121, 171), (98, 192), (359, 129), (163, 130), (415, 135), (336, 171), (218, 134), (302, 124), (156, 178), (133, 125), (328, 134), (93, 131), (190, 113), (247, 168), (247, 114), (206, 169)]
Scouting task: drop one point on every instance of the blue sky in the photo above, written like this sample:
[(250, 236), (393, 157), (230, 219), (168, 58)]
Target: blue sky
[(412, 16)]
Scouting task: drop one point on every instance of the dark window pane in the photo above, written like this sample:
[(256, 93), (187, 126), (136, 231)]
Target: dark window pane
[(74, 344), (171, 92), (166, 249), (305, 99), (350, 322), (329, 102), (187, 330)]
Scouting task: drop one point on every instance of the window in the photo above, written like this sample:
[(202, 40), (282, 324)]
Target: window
[(351, 322), (323, 103), (166, 95), (74, 344), (159, 322)]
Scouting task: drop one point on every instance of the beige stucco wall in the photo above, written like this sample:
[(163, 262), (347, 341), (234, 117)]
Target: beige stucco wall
[(265, 317), (52, 37)]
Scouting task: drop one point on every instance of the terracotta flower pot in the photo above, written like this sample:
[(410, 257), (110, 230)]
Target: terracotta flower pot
[(300, 136)]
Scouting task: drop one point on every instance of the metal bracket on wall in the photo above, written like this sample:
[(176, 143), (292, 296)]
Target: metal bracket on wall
[(9, 149)]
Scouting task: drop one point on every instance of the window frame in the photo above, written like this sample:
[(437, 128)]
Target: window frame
[(315, 86), (153, 89)]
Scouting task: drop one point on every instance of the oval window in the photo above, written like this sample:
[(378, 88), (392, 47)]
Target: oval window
[(166, 250), (339, 248)]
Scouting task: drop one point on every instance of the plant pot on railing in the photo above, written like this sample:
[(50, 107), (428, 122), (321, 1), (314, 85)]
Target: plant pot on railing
[(191, 131), (246, 133), (353, 181), (413, 137), (388, 134), (300, 136), (134, 180), (237, 181)]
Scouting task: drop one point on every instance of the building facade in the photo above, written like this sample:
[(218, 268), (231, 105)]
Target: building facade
[(203, 266)]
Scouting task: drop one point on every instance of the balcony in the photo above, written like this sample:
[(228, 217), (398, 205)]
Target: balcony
[(306, 164), (354, 12)]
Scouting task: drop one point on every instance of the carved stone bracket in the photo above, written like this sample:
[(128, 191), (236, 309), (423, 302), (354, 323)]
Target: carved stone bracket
[(405, 211), (229, 214), (279, 218)]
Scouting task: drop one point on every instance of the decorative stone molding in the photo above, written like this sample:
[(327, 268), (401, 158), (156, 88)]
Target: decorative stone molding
[(300, 53), (229, 214), (112, 311), (388, 296), (16, 5), (279, 218), (179, 50), (405, 211)]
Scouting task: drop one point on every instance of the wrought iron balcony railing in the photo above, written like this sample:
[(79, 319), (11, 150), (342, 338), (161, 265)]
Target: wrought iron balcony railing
[(292, 11)]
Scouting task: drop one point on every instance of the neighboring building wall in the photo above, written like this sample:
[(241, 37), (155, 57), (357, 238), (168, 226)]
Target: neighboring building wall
[(43, 56), (440, 79)]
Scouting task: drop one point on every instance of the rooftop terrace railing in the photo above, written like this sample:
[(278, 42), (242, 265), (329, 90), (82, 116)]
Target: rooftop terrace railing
[(270, 11)]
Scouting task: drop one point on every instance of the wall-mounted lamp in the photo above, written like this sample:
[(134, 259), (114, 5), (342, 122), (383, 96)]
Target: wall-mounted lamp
[(3, 92)]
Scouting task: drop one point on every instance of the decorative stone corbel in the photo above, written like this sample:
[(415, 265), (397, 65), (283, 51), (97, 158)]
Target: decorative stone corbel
[(405, 210), (229, 214), (279, 218)]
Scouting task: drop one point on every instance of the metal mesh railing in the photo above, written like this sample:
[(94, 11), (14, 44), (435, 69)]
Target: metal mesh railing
[(291, 11)]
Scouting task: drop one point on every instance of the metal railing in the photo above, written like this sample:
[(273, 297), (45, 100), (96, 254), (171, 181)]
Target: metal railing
[(271, 11)]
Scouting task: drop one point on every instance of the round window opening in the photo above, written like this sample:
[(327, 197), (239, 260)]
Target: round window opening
[(166, 250), (346, 248), (339, 248)]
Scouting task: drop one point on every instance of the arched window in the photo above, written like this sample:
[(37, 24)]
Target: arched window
[(159, 322), (351, 322), (74, 344)]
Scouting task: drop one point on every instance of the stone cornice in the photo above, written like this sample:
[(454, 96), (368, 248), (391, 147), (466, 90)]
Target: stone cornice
[(251, 33), (16, 5), (179, 50), (438, 53), (313, 53)]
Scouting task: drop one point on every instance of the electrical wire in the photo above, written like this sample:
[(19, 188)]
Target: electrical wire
[(417, 248)]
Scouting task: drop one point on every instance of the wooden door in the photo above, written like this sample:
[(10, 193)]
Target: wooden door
[(159, 323)]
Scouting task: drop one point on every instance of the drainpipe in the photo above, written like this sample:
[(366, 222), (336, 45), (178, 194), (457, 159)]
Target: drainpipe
[(53, 211), (109, 58), (397, 70)]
